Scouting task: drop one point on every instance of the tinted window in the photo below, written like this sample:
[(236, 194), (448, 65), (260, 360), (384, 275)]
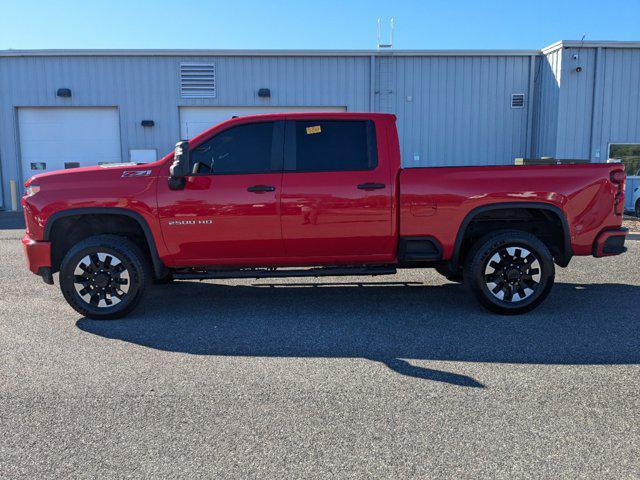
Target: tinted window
[(241, 149), (327, 145)]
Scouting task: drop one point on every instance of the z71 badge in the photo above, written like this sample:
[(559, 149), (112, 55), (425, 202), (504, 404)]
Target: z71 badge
[(136, 173), (190, 222)]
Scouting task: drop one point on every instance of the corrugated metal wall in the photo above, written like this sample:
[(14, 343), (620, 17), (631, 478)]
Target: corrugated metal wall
[(148, 88), (452, 109), (579, 113), (457, 110), (575, 105), (619, 95), (546, 101)]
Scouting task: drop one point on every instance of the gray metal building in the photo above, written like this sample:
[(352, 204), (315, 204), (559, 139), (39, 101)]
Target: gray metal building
[(570, 100)]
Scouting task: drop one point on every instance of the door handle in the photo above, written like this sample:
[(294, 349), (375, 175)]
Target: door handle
[(261, 188), (371, 186)]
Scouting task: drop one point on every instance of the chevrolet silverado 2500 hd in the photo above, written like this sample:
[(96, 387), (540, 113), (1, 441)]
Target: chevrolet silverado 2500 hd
[(311, 195)]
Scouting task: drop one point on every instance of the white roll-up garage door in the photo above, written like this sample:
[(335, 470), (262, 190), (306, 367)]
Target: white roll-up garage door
[(194, 120), (57, 138)]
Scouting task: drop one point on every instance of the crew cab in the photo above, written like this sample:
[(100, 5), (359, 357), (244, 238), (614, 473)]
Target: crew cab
[(314, 194)]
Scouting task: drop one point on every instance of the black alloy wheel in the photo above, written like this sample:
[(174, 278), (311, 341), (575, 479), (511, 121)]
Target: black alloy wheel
[(101, 279), (510, 271), (105, 276)]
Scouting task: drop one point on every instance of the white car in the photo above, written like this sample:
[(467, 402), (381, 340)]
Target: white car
[(636, 200)]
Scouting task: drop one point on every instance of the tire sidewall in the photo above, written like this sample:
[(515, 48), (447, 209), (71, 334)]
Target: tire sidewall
[(132, 264), (487, 247)]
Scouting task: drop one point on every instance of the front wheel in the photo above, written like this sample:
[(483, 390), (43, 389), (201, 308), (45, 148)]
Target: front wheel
[(638, 208), (510, 272), (104, 277)]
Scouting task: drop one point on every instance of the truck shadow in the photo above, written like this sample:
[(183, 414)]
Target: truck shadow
[(11, 221), (389, 322)]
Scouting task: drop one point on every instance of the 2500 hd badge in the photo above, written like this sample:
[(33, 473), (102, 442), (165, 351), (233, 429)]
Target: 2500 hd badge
[(190, 222)]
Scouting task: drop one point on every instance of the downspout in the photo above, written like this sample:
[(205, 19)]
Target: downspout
[(530, 106), (596, 108)]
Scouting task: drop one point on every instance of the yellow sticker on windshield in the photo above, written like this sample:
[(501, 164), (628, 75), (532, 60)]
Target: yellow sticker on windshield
[(315, 129)]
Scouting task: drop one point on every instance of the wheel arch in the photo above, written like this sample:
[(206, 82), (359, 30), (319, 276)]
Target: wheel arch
[(157, 263), (567, 252)]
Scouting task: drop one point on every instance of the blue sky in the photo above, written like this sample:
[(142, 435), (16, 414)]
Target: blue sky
[(311, 24)]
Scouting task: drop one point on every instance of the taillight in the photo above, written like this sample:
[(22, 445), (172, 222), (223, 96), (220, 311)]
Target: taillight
[(618, 177)]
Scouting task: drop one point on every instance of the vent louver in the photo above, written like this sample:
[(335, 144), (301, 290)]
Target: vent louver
[(197, 80), (517, 100)]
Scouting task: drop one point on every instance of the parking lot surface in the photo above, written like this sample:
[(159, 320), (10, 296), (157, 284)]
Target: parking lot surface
[(386, 377)]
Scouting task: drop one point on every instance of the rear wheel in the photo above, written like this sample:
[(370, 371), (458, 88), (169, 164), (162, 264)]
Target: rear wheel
[(638, 208), (510, 272), (104, 277)]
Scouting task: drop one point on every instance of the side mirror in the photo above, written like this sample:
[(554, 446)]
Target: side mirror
[(180, 167)]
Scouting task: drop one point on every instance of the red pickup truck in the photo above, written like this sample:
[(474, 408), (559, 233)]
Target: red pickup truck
[(313, 195)]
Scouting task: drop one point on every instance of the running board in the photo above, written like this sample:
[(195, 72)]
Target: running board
[(274, 273)]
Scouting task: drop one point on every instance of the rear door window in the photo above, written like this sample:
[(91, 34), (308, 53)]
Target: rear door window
[(330, 145)]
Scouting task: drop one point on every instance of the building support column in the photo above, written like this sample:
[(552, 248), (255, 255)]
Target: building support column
[(595, 151), (530, 106), (372, 84)]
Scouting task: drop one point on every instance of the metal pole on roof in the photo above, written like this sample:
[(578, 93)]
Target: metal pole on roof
[(390, 44)]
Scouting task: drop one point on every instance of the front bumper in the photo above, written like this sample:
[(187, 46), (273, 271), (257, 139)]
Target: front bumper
[(38, 257), (610, 242)]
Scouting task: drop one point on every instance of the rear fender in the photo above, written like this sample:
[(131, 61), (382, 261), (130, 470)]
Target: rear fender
[(567, 253)]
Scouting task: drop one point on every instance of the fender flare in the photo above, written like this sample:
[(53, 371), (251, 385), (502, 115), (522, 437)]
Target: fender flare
[(567, 251), (158, 265)]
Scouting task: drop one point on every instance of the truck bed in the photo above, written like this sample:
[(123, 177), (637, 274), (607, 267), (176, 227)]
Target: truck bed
[(436, 201)]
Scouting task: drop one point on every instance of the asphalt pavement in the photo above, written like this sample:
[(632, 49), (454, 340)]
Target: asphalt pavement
[(386, 377)]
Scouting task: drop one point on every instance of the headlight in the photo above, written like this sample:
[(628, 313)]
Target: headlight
[(31, 190)]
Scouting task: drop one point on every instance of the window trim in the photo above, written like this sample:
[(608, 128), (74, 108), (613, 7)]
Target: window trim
[(611, 144), (277, 143), (290, 156)]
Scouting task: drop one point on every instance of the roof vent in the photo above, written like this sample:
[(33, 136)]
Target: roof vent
[(517, 100), (197, 80)]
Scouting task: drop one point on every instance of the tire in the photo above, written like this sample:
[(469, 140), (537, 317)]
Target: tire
[(638, 208), (455, 276), (510, 272), (104, 277)]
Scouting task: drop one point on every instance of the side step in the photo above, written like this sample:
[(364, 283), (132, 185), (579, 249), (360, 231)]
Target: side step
[(281, 273)]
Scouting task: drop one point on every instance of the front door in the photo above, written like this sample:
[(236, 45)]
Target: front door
[(337, 192), (229, 212)]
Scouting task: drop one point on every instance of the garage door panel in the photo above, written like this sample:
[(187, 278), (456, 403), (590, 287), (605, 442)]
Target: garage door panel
[(80, 148), (57, 135), (195, 120)]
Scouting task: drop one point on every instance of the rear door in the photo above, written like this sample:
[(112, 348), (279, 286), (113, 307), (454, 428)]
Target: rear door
[(337, 191)]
